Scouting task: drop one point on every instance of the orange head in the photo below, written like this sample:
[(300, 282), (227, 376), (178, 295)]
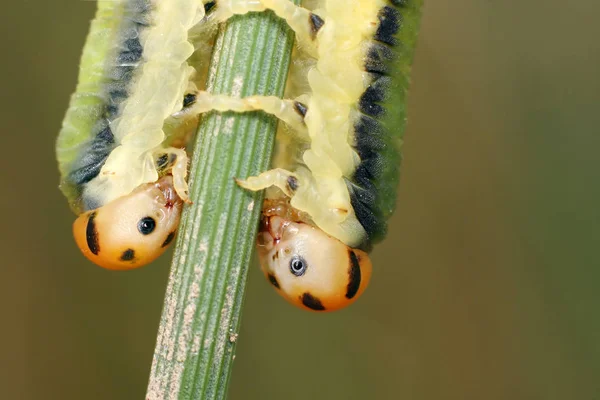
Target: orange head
[(133, 230), (309, 268)]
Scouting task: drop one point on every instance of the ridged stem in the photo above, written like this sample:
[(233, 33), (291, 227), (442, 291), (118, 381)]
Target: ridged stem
[(202, 310)]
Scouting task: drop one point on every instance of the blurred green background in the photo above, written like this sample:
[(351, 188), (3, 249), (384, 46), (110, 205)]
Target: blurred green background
[(486, 287)]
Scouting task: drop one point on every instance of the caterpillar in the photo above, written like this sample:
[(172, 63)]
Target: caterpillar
[(120, 169), (332, 188)]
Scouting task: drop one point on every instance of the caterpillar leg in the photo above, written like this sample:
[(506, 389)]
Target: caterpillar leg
[(289, 111), (302, 21), (278, 177), (176, 161)]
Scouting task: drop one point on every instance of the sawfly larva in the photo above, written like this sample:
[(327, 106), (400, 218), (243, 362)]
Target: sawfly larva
[(337, 172), (118, 169)]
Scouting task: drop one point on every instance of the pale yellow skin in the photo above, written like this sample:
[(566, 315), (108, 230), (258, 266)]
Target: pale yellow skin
[(138, 129), (318, 188), (128, 185), (322, 192)]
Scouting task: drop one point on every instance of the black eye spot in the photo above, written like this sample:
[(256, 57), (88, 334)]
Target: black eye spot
[(298, 266), (146, 225)]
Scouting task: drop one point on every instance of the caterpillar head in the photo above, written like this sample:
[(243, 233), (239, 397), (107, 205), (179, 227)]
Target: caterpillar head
[(309, 268), (133, 230)]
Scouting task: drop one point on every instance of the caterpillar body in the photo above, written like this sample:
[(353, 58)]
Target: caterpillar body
[(117, 169), (333, 185)]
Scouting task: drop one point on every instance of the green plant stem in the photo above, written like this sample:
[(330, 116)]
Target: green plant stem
[(201, 316)]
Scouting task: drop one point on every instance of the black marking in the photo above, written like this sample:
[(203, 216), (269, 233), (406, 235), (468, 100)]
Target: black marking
[(132, 52), (92, 154), (312, 302), (389, 24), (169, 239), (88, 166), (273, 280), (209, 6), (91, 234), (375, 94), (400, 3), (189, 99), (370, 144), (128, 255), (316, 23), (161, 161), (129, 58), (292, 183), (354, 276), (300, 108), (378, 59), (146, 225)]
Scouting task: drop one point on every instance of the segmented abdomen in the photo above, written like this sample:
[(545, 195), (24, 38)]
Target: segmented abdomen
[(379, 127)]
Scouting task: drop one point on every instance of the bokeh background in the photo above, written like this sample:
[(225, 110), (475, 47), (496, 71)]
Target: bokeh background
[(486, 288)]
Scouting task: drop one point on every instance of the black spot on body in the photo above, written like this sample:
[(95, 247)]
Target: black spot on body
[(300, 108), (189, 99), (373, 95), (378, 58), (316, 23), (168, 239), (128, 255), (132, 52), (91, 234), (209, 6), (88, 166), (93, 154), (273, 280), (354, 276), (389, 24), (370, 144), (312, 302), (292, 182), (400, 3)]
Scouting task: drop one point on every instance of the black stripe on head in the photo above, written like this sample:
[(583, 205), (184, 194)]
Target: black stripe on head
[(354, 276), (312, 302), (128, 255), (273, 280), (169, 239), (91, 235)]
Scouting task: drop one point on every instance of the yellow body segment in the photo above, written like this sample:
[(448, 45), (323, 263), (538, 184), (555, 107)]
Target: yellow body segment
[(141, 86), (309, 237)]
